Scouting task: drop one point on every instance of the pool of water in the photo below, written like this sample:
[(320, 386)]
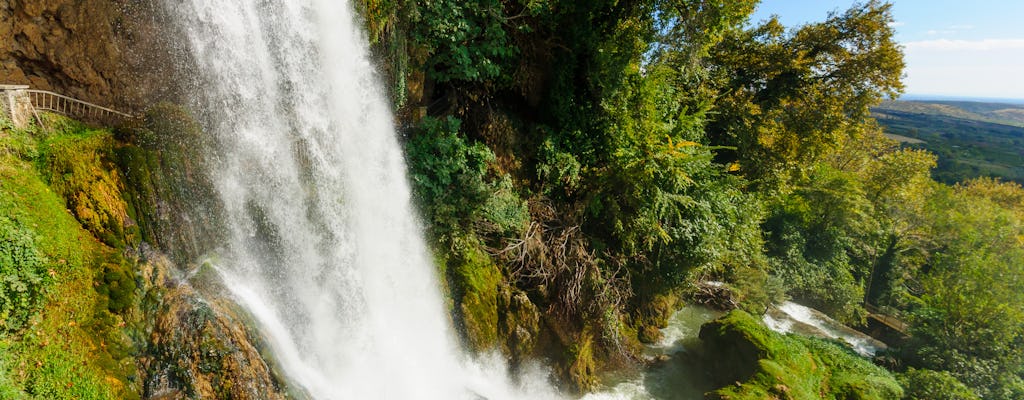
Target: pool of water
[(674, 371)]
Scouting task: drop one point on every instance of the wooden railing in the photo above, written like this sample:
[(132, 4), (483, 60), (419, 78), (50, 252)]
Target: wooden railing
[(886, 319), (43, 100)]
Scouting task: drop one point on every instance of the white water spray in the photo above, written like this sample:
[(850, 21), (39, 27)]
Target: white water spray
[(322, 244)]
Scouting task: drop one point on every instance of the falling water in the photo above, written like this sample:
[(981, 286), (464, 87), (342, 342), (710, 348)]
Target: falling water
[(322, 244)]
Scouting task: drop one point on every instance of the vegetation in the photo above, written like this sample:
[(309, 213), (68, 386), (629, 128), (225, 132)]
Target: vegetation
[(583, 167), (752, 362), (62, 342), (635, 150), (971, 140)]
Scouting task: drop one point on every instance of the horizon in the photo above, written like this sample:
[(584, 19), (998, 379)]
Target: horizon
[(947, 97), (951, 48)]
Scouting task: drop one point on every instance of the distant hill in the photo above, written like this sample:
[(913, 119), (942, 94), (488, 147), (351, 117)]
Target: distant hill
[(998, 113), (971, 138)]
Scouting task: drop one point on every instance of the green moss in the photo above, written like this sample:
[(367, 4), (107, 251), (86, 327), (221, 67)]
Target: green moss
[(582, 366), (117, 283), (769, 365), (67, 351), (76, 162), (161, 162), (475, 281)]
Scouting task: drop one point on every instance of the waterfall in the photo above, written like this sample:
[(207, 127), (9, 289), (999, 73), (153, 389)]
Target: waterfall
[(322, 245)]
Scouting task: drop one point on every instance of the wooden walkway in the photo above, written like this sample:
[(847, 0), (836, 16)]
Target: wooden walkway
[(43, 100), (22, 104), (887, 320)]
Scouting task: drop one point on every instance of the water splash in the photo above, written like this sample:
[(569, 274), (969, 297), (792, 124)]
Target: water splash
[(790, 317), (322, 244)]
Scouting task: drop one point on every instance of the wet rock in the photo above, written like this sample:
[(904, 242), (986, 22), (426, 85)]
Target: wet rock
[(650, 334), (519, 322), (199, 345)]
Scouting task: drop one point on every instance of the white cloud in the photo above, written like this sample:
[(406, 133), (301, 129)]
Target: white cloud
[(983, 68), (961, 45)]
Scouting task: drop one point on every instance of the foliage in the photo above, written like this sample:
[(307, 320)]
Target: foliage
[(789, 98), (969, 319), (453, 186), (465, 40), (923, 384), (660, 143), (59, 354), (23, 278), (817, 240)]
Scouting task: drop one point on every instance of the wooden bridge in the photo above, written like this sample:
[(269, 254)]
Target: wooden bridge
[(884, 327), (21, 104)]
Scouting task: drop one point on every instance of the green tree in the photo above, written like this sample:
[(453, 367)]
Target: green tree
[(969, 318), (788, 99), (923, 384)]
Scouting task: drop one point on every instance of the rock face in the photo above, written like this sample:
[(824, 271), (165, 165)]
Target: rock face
[(109, 52), (200, 345)]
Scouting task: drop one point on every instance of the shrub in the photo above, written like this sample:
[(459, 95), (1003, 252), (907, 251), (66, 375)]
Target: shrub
[(925, 384), (22, 276), (453, 187)]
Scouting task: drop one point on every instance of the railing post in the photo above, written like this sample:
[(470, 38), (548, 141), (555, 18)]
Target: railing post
[(17, 104)]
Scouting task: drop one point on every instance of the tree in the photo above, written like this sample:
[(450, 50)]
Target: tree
[(788, 99)]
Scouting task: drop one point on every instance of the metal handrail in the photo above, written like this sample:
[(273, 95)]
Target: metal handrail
[(71, 107)]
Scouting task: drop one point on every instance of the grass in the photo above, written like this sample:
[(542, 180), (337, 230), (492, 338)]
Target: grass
[(73, 348), (969, 138)]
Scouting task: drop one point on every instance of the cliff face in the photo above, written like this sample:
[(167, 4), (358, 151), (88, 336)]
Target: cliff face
[(111, 52)]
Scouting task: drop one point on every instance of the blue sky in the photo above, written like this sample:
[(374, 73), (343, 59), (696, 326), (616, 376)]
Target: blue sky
[(952, 47)]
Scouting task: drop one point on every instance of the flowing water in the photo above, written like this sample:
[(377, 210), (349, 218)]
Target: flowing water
[(790, 317), (322, 245), (676, 372)]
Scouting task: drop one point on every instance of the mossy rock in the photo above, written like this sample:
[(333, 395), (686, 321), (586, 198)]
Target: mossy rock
[(475, 280), (753, 362), (77, 165), (117, 283), (583, 367), (518, 322), (653, 314)]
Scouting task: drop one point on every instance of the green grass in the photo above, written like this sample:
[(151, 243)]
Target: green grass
[(968, 138), (72, 348)]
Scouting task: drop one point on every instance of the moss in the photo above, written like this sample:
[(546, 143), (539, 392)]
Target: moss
[(161, 161), (475, 282), (756, 363), (76, 163), (582, 367), (66, 351), (117, 283), (654, 314)]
